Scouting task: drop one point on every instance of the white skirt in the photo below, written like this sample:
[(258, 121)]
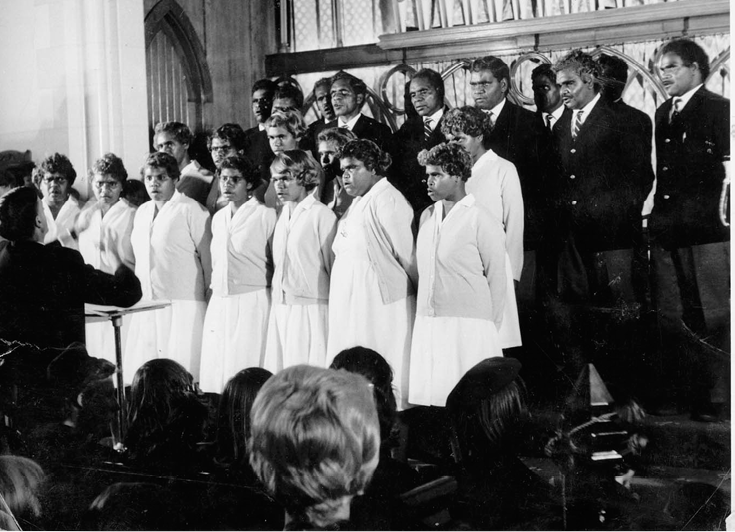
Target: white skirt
[(235, 331), (297, 334), (442, 351), (173, 332), (510, 328)]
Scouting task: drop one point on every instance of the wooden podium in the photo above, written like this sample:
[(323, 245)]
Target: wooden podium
[(95, 313)]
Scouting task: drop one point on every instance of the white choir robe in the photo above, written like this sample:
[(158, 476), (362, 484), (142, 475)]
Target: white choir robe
[(303, 257), (236, 325), (104, 242), (62, 228), (173, 262), (496, 187)]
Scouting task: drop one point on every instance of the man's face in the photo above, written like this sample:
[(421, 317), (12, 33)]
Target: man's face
[(357, 179), (106, 188), (284, 104), (167, 143), (262, 104), (324, 102), (55, 188), (327, 152), (424, 97), (678, 78), (575, 92), (220, 149), (159, 185), (486, 89), (344, 100), (546, 94)]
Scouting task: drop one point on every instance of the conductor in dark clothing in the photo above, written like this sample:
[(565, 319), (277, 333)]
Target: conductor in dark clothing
[(690, 240), (44, 288), (419, 132), (597, 196)]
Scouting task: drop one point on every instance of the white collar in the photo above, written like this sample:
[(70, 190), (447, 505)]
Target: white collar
[(434, 118), (556, 115), (261, 126), (587, 109), (351, 124), (684, 98), (497, 109)]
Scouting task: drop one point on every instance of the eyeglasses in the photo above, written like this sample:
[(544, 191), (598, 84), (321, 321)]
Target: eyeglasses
[(55, 179), (220, 149)]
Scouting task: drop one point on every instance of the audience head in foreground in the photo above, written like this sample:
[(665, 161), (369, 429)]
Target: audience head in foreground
[(314, 442), (21, 216)]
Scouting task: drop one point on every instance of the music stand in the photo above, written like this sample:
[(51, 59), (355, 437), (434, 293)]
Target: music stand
[(95, 313)]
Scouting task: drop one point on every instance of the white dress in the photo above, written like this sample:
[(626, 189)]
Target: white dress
[(497, 188), (302, 251), (358, 315), (462, 270), (62, 228), (236, 325), (104, 242), (173, 263)]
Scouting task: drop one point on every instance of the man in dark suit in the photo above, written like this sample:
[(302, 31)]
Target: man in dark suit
[(419, 132), (517, 137), (349, 94), (257, 148), (597, 199), (690, 248), (324, 104), (44, 288)]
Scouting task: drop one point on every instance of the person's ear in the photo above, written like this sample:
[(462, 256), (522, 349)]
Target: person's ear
[(360, 99), (504, 85)]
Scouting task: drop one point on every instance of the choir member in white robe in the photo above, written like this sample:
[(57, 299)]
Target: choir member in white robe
[(496, 187), (372, 294), (462, 280), (171, 239), (303, 257), (236, 326), (104, 227), (57, 176)]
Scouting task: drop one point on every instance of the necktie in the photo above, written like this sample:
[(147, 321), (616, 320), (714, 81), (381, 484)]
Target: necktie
[(577, 124), (427, 128), (344, 126), (549, 118), (492, 118), (677, 108)]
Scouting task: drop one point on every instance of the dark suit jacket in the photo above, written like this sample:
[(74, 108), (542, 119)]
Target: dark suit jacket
[(603, 179), (406, 174), (518, 137), (312, 131), (367, 128), (690, 152), (44, 288), (258, 150)]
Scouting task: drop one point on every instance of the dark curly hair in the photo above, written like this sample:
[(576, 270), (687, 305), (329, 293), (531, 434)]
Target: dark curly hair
[(690, 52), (581, 64), (243, 165), (369, 153), (164, 161), (109, 164), (451, 157), (468, 120), (232, 133), (59, 163)]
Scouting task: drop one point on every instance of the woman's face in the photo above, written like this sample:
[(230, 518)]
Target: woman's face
[(281, 140), (357, 179), (233, 186), (287, 187), (106, 188), (472, 144), (159, 185), (440, 184)]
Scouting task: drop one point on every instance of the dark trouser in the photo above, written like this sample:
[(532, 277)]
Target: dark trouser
[(691, 296)]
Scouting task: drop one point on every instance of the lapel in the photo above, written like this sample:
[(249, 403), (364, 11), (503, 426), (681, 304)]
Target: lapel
[(504, 120), (360, 126), (692, 107)]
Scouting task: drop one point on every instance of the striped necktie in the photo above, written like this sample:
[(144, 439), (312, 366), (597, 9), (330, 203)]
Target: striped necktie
[(577, 124), (427, 128)]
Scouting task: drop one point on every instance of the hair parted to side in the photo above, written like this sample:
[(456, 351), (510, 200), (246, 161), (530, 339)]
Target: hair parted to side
[(291, 121), (232, 133), (451, 157), (179, 131), (369, 153), (163, 161), (111, 165), (433, 78), (468, 120), (233, 414), (358, 86), (18, 211), (495, 65), (339, 135), (58, 163), (581, 64), (243, 165), (690, 53), (323, 82), (300, 165), (315, 439)]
